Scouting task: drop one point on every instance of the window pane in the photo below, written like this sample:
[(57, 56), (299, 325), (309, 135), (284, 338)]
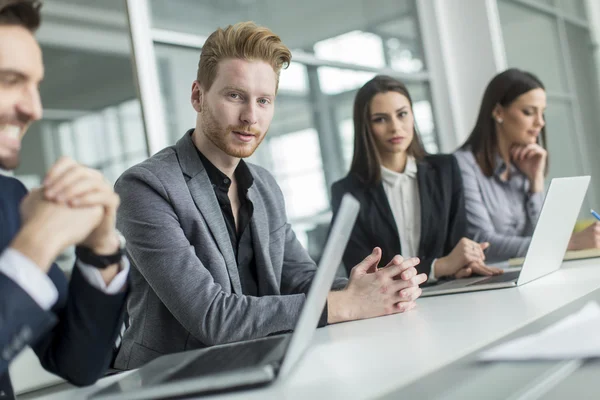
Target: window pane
[(574, 8), (374, 33), (531, 42), (299, 170), (561, 146), (357, 47), (586, 87), (565, 157), (545, 2)]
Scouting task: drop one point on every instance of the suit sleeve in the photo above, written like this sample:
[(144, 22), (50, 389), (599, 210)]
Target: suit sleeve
[(358, 246), (479, 223), (79, 347), (160, 250), (457, 223), (22, 321)]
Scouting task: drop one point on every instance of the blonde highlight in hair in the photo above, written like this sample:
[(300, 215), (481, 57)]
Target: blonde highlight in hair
[(246, 41)]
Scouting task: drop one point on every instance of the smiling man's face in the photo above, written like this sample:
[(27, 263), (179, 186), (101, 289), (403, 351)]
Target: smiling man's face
[(21, 71)]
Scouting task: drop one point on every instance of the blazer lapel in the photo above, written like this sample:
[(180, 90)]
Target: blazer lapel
[(267, 280), (204, 197), (426, 189), (383, 205)]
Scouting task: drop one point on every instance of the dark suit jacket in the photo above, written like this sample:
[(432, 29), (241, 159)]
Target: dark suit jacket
[(74, 339), (443, 220)]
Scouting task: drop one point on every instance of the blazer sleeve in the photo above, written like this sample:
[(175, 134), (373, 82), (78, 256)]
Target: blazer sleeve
[(160, 250), (79, 347), (457, 223), (359, 244), (479, 223), (22, 321)]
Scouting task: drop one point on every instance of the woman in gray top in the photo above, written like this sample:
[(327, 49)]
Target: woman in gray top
[(503, 165)]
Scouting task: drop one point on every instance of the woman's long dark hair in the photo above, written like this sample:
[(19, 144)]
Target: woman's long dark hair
[(503, 89), (366, 162)]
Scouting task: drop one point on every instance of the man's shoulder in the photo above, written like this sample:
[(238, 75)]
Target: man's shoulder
[(162, 163)]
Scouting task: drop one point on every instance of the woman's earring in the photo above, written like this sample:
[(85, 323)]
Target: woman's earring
[(499, 120)]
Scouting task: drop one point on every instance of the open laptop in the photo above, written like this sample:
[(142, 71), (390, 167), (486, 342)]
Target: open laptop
[(548, 244), (243, 364)]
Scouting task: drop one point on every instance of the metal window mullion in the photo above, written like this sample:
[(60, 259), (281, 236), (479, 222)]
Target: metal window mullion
[(144, 60), (584, 162), (553, 11), (327, 132), (195, 42)]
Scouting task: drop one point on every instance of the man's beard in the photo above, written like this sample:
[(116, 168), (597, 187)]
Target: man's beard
[(220, 137)]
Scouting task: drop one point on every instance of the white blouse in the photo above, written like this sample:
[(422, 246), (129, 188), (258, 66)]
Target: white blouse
[(402, 191)]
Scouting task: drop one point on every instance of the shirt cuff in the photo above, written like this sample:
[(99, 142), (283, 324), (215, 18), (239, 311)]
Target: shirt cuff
[(432, 278), (29, 277), (93, 277)]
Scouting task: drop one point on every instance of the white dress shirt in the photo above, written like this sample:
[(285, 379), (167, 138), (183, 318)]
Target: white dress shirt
[(39, 286), (402, 192)]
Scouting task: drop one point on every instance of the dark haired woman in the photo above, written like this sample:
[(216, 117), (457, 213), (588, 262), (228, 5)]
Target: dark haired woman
[(503, 165), (411, 202)]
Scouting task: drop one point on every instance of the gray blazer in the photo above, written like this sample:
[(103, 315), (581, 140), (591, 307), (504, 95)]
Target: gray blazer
[(185, 287)]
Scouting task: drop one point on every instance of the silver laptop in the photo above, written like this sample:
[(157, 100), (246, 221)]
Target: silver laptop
[(244, 364), (548, 244)]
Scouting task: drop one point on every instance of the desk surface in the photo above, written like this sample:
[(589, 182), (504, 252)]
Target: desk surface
[(370, 358)]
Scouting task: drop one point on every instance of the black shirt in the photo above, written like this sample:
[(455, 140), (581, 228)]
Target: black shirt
[(241, 238)]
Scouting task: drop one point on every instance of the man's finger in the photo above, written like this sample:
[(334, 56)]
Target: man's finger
[(96, 198), (404, 307), (409, 294), (367, 263), (59, 168), (61, 183), (395, 270)]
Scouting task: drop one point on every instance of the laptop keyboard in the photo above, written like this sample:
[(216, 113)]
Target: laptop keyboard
[(232, 357), (505, 277)]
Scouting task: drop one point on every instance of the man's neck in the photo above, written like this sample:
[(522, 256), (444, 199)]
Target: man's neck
[(224, 162)]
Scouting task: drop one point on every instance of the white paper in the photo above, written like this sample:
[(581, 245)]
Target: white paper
[(573, 337)]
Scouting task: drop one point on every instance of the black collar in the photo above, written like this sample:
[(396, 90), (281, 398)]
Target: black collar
[(221, 181)]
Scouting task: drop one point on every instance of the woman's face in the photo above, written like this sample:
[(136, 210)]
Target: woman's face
[(521, 122), (392, 122)]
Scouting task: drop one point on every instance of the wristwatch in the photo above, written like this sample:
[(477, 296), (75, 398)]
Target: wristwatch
[(87, 256)]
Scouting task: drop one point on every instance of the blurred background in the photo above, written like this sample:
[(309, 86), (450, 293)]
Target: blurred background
[(97, 111), (119, 75)]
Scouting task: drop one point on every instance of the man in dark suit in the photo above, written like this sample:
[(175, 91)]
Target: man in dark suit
[(71, 326)]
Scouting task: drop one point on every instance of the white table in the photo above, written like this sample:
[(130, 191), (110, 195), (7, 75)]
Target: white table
[(369, 358)]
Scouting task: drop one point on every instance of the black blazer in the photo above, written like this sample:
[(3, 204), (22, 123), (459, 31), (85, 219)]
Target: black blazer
[(443, 220), (74, 339)]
